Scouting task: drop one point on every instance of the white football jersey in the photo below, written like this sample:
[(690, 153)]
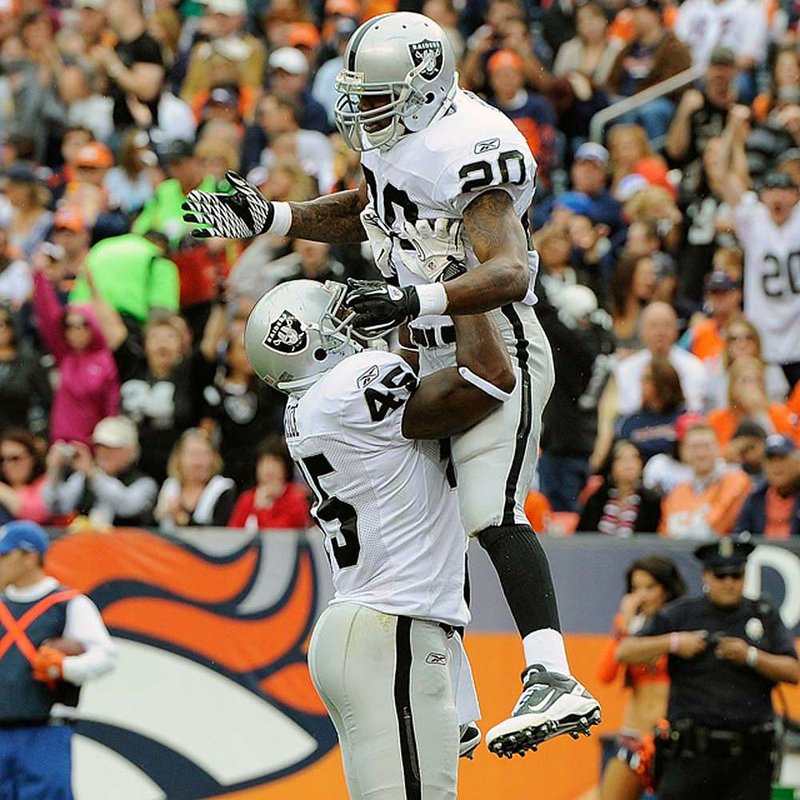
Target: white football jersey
[(738, 24), (771, 277), (437, 172), (386, 504)]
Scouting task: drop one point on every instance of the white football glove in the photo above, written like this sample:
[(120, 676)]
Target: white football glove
[(438, 244), (381, 240), (240, 214)]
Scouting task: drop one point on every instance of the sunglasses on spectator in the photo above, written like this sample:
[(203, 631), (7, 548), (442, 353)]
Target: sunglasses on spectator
[(737, 576), (13, 459), (741, 337), (76, 324)]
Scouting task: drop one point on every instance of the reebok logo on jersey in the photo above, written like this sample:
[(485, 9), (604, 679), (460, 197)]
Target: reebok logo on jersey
[(439, 659), (429, 54), (286, 334), (366, 378), (486, 145)]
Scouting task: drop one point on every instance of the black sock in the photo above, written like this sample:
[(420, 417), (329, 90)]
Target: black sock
[(521, 565)]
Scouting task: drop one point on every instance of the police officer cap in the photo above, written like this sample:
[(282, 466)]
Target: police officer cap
[(725, 556)]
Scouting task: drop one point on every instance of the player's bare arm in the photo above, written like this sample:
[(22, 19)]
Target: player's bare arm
[(245, 212), (454, 399), (493, 228)]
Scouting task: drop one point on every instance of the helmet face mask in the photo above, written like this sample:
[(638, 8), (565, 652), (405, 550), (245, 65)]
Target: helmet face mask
[(405, 59), (294, 334)]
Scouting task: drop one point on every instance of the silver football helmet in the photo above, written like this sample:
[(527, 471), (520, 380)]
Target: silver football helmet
[(405, 58), (293, 335)]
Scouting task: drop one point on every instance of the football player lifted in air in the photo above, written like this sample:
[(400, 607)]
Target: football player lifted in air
[(448, 183)]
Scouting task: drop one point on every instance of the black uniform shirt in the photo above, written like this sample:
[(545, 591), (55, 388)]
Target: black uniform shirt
[(714, 692)]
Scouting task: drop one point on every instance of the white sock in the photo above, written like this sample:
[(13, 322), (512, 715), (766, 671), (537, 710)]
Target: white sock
[(546, 647)]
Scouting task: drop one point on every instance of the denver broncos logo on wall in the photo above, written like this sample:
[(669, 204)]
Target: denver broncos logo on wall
[(211, 695)]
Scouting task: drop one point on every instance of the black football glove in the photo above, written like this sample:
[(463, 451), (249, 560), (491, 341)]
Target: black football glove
[(242, 214), (379, 307)]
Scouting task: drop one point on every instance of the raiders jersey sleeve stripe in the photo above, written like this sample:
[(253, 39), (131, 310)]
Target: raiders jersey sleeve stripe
[(524, 426)]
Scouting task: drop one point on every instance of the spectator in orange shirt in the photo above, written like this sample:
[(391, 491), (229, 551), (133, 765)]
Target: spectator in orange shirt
[(709, 503), (747, 399), (773, 508), (723, 297)]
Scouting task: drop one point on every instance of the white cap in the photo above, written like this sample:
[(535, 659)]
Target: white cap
[(116, 432), (629, 186), (591, 151), (97, 5), (289, 60), (230, 8)]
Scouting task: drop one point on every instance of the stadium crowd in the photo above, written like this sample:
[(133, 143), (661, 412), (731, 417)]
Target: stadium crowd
[(669, 254)]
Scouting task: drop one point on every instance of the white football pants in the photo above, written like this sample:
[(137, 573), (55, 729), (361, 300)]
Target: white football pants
[(386, 683)]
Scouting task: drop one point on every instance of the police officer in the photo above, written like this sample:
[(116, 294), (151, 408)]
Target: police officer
[(40, 623), (726, 653)]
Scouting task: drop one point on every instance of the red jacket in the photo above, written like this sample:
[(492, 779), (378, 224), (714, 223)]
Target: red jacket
[(290, 510)]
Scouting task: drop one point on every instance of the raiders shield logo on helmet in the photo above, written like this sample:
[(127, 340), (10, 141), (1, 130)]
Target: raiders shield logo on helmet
[(430, 52), (287, 335)]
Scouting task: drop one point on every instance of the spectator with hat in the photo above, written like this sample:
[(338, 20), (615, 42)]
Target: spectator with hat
[(101, 483), (701, 115), (723, 302), (289, 79), (773, 507), (532, 114), (725, 654), (767, 226), (29, 219), (709, 503), (39, 682), (664, 471), (70, 233), (654, 55)]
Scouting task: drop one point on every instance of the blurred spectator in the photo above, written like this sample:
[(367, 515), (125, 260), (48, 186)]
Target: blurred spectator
[(768, 228), (195, 493), (162, 212), (15, 275), (627, 146), (30, 220), (701, 116), (663, 472), (767, 141), (659, 331), (227, 55), (25, 393), (738, 26), (654, 55), (652, 428), (276, 501), (93, 26), (723, 304), (784, 73), (650, 583), (633, 286), (132, 183), (622, 506), (582, 343), (323, 89), (106, 487), (242, 409), (742, 339), (134, 66), (131, 273), (746, 449), (710, 503), (22, 470), (289, 80), (592, 53), (747, 399), (69, 232), (773, 507), (530, 112), (83, 104), (310, 260), (88, 382)]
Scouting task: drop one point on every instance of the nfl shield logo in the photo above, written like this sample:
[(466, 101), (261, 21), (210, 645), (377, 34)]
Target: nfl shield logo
[(430, 54), (287, 335)]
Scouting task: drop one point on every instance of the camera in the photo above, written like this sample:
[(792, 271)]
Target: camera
[(68, 452)]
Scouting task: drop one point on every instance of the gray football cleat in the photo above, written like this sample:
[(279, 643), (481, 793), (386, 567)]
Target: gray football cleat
[(551, 704), (470, 739)]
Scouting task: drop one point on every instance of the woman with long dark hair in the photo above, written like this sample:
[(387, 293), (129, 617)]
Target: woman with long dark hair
[(650, 583)]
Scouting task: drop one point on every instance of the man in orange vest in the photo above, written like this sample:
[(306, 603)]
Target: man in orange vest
[(52, 640)]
